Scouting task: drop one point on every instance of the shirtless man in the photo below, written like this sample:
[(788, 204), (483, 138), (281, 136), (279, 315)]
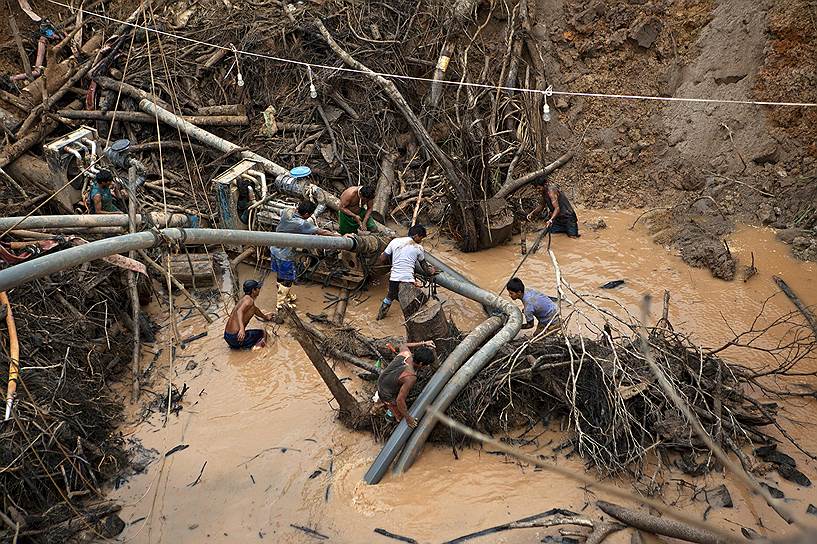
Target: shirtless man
[(356, 210), (561, 217), (397, 379), (236, 333)]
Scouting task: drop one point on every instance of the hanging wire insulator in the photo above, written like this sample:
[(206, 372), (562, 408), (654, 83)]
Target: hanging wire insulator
[(313, 92), (239, 78), (545, 107)]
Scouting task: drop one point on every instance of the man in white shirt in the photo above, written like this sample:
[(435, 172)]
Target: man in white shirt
[(404, 254)]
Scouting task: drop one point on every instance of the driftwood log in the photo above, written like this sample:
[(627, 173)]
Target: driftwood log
[(350, 411), (812, 321), (659, 526), (139, 117)]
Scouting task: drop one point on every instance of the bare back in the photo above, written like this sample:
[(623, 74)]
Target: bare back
[(241, 315)]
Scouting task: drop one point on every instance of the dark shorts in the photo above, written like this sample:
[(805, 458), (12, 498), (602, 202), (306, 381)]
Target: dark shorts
[(251, 338), (564, 225), (285, 270)]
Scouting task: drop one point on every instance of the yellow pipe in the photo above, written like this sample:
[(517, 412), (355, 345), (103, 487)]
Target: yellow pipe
[(14, 350)]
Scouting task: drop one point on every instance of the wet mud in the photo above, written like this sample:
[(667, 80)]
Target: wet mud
[(263, 438)]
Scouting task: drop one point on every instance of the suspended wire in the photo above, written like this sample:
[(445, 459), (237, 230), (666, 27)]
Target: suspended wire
[(545, 92)]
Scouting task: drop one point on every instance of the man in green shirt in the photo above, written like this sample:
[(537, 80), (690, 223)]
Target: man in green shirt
[(100, 198)]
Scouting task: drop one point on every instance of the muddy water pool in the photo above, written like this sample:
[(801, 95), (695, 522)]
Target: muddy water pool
[(275, 456)]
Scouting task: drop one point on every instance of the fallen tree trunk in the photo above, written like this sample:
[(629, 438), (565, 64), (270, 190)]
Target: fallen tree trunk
[(427, 323), (462, 200), (56, 75), (509, 187), (426, 320), (350, 410), (139, 117), (659, 526), (54, 98), (382, 195)]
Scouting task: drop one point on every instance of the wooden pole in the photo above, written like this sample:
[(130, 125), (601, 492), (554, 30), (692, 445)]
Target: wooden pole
[(140, 117), (134, 292), (14, 354), (340, 307), (812, 321), (19, 41)]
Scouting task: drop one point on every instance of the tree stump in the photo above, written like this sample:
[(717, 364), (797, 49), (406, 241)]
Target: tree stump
[(496, 225), (429, 322), (411, 299)]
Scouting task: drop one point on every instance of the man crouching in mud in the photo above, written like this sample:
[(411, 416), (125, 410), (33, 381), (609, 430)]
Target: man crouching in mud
[(236, 334), (397, 379)]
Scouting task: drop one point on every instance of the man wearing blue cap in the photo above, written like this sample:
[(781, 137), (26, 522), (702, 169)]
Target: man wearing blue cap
[(236, 333)]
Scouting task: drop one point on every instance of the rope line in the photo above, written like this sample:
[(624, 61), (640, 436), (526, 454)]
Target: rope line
[(546, 92)]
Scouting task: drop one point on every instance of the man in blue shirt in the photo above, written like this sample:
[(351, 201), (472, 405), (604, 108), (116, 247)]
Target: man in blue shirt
[(537, 305), (292, 222)]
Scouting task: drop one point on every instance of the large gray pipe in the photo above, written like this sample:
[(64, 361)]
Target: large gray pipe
[(398, 438), (452, 280), (464, 375), (282, 181), (74, 256), (91, 220)]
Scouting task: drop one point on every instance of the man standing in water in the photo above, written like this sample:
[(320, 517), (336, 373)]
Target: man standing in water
[(537, 305), (560, 213), (397, 379), (356, 210), (404, 254), (236, 333)]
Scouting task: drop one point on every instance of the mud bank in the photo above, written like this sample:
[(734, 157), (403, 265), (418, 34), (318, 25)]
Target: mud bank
[(275, 456)]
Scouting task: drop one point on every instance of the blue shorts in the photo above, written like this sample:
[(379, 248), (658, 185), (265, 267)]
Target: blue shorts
[(284, 269), (251, 338)]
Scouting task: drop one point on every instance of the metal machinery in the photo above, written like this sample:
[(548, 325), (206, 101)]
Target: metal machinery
[(342, 269), (67, 157), (75, 158)]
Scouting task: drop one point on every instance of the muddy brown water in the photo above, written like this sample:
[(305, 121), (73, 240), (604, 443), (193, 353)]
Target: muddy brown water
[(263, 421)]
